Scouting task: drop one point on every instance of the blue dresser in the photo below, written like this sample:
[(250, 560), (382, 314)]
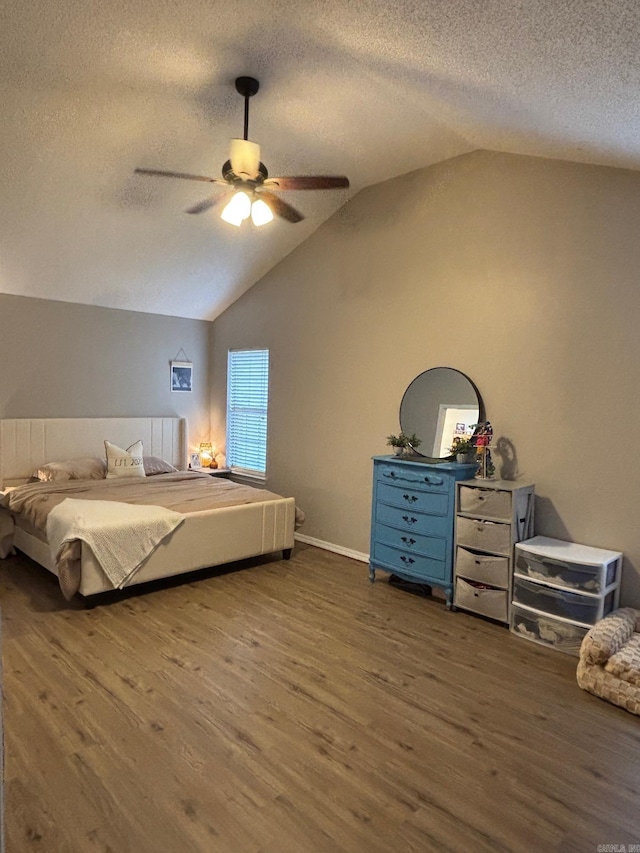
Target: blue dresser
[(412, 519)]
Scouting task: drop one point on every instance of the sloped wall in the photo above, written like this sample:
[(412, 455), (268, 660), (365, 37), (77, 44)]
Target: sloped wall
[(522, 273)]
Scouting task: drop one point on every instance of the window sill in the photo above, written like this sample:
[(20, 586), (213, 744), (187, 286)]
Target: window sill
[(248, 475)]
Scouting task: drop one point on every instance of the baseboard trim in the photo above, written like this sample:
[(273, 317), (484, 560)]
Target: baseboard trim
[(329, 546)]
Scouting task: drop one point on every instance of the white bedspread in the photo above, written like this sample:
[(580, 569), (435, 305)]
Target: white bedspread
[(120, 535)]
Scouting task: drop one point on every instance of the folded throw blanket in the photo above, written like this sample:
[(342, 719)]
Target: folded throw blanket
[(120, 535)]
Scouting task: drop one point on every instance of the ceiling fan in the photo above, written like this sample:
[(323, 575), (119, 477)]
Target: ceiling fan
[(254, 192)]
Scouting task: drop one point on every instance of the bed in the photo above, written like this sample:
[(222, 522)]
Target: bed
[(204, 538)]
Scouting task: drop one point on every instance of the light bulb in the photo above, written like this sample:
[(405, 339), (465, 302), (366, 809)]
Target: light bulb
[(238, 209), (261, 212)]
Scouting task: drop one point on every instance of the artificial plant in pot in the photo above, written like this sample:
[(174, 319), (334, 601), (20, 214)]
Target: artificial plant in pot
[(463, 449), (403, 444)]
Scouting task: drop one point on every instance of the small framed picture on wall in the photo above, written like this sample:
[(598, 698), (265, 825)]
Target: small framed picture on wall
[(181, 376), (194, 460)]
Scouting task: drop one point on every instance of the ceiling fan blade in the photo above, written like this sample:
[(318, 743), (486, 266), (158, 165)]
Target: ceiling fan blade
[(245, 158), (308, 182), (207, 204), (160, 174), (281, 208)]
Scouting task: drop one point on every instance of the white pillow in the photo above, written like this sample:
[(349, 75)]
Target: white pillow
[(124, 463)]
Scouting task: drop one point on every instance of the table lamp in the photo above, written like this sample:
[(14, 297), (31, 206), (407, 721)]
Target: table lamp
[(206, 455)]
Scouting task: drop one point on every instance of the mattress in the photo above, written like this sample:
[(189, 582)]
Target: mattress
[(182, 491), (191, 494)]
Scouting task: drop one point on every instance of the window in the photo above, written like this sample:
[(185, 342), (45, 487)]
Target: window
[(247, 398)]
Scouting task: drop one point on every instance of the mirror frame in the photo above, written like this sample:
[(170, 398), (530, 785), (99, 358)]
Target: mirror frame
[(481, 411)]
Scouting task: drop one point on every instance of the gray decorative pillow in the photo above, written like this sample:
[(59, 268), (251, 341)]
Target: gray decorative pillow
[(156, 465), (83, 468), (124, 463)]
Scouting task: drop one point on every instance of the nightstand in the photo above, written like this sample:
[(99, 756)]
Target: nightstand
[(214, 472)]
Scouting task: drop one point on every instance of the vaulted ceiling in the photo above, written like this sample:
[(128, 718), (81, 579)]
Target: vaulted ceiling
[(370, 90)]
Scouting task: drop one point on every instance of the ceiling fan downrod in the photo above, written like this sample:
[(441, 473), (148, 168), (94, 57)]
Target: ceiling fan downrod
[(247, 87)]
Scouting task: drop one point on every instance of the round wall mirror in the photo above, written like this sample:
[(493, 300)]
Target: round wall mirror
[(439, 405)]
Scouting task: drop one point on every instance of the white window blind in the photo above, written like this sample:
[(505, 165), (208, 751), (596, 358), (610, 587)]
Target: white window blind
[(247, 399)]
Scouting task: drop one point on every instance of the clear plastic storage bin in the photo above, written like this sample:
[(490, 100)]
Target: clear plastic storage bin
[(569, 565), (554, 633), (578, 607)]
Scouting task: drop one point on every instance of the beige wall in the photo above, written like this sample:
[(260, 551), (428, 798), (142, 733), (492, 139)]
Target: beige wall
[(65, 360), (522, 273)]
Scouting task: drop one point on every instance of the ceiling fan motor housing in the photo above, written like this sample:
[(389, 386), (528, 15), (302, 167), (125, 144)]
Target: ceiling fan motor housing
[(229, 175), (247, 86)]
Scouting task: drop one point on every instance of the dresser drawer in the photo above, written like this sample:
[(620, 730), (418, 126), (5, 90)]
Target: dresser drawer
[(587, 609), (484, 568), (484, 535), (488, 602), (488, 503), (409, 519), (432, 503), (413, 478), (430, 546), (410, 563)]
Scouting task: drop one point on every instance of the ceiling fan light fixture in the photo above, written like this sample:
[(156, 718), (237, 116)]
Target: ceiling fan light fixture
[(238, 209), (248, 177), (261, 212)]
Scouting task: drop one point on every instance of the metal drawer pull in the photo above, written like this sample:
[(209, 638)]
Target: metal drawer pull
[(434, 481), (429, 480), (408, 540), (410, 498), (409, 519), (407, 560)]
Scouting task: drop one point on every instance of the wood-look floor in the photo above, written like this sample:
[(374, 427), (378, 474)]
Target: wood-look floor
[(293, 707)]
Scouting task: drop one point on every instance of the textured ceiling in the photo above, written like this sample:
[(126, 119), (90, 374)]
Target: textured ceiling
[(370, 90)]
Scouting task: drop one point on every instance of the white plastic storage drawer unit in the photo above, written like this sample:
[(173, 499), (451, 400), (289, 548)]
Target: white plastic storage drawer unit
[(560, 589)]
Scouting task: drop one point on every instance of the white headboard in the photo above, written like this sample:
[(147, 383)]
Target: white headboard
[(26, 444)]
